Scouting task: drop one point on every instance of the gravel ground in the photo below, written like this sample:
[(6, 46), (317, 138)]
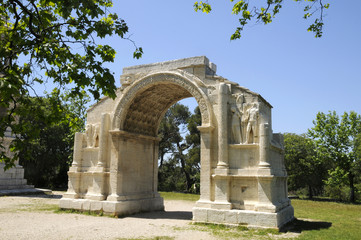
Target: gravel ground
[(33, 217)]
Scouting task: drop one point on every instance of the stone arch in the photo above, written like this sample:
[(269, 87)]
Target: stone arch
[(242, 182), (143, 105)]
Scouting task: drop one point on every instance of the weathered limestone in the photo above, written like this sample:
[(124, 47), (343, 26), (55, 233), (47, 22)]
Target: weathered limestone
[(243, 178)]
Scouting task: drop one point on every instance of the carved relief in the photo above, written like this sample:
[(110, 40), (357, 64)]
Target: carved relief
[(236, 126), (245, 121), (92, 135), (240, 101), (251, 121)]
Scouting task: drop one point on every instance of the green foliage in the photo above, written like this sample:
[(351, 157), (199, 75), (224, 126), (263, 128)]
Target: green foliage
[(47, 154), (338, 192), (202, 6), (267, 11), (181, 170), (337, 141), (304, 170), (54, 41)]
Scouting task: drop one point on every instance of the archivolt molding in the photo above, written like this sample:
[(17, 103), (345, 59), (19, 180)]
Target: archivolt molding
[(188, 82)]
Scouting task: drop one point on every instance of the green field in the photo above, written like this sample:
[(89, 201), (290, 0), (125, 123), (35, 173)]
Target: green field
[(315, 220), (327, 220)]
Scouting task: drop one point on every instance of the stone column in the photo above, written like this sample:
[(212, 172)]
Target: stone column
[(264, 149), (221, 193), (114, 167), (221, 179), (77, 155), (266, 192), (265, 180), (103, 140), (222, 126), (75, 174), (155, 168), (206, 167)]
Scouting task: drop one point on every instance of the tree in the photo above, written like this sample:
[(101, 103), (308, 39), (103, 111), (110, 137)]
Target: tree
[(268, 10), (337, 142), (48, 156), (180, 171), (54, 41), (303, 168), (193, 140), (171, 143)]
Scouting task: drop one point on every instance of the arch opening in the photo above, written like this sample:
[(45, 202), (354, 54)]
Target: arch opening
[(141, 120), (179, 149)]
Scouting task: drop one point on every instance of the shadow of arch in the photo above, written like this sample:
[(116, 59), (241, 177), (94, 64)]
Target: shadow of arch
[(177, 215), (300, 225)]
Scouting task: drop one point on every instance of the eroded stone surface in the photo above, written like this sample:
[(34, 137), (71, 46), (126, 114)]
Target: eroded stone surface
[(243, 178)]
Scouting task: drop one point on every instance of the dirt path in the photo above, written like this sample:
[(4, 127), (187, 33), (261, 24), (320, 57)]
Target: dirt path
[(33, 217)]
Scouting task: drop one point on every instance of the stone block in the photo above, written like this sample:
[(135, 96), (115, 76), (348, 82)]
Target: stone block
[(200, 214), (96, 206), (216, 216), (109, 207), (65, 203), (231, 217), (85, 205), (77, 204)]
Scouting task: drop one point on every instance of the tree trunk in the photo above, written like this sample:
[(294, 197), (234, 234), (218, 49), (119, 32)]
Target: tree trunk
[(188, 178), (310, 194), (161, 159), (352, 187), (183, 166)]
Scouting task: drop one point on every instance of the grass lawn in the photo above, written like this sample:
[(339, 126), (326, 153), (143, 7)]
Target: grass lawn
[(330, 220), (179, 196), (315, 219)]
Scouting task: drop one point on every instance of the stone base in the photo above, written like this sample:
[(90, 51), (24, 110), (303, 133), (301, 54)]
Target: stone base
[(12, 181), (244, 217), (119, 208)]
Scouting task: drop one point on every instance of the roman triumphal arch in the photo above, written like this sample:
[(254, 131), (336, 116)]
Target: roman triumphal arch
[(115, 163)]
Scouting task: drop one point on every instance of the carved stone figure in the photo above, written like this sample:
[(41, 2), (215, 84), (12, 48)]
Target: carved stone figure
[(95, 135), (236, 126), (89, 135), (252, 117), (240, 101)]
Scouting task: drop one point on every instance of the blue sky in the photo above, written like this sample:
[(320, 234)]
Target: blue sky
[(297, 73)]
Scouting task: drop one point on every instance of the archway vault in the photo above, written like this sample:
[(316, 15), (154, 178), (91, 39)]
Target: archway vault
[(145, 102)]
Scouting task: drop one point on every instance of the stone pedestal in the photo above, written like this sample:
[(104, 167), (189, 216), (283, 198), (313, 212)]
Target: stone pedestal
[(12, 180)]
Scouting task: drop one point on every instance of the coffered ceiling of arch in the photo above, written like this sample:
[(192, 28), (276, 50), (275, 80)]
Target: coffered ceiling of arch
[(149, 106)]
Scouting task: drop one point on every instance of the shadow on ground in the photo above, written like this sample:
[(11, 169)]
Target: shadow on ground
[(180, 215), (300, 225), (44, 195)]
